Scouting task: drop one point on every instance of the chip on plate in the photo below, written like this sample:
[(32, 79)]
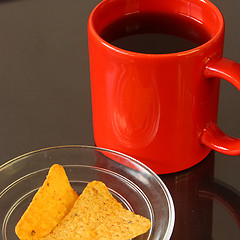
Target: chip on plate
[(97, 215), (49, 206)]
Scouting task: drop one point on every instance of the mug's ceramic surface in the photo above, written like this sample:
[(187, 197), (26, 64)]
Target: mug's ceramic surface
[(160, 108)]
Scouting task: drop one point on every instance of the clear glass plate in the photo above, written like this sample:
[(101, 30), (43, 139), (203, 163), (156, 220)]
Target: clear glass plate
[(132, 183)]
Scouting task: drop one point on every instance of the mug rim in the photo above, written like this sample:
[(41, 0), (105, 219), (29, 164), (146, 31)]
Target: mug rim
[(112, 47)]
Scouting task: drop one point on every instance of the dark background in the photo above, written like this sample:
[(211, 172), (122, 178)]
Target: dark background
[(45, 97)]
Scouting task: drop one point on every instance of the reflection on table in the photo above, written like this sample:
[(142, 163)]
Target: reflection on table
[(194, 191)]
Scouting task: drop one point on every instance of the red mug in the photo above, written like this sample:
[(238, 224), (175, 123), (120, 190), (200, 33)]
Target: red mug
[(160, 108)]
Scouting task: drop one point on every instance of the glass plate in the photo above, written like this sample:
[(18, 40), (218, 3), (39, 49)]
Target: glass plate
[(131, 183)]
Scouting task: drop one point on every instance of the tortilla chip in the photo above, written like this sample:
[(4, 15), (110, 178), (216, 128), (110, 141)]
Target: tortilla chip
[(49, 206), (98, 215)]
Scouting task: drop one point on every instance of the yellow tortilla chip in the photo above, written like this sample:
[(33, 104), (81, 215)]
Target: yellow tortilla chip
[(49, 206), (97, 215)]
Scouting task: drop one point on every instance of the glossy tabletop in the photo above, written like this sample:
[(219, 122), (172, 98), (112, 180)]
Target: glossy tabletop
[(45, 100)]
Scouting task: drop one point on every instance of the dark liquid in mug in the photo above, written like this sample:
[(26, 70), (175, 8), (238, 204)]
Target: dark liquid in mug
[(155, 33)]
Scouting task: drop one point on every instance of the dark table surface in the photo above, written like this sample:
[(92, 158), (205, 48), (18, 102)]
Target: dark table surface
[(45, 101)]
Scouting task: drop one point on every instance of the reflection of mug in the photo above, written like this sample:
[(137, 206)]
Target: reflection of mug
[(193, 191), (153, 101)]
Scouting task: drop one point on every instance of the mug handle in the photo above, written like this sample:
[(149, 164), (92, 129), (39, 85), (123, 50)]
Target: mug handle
[(213, 136)]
